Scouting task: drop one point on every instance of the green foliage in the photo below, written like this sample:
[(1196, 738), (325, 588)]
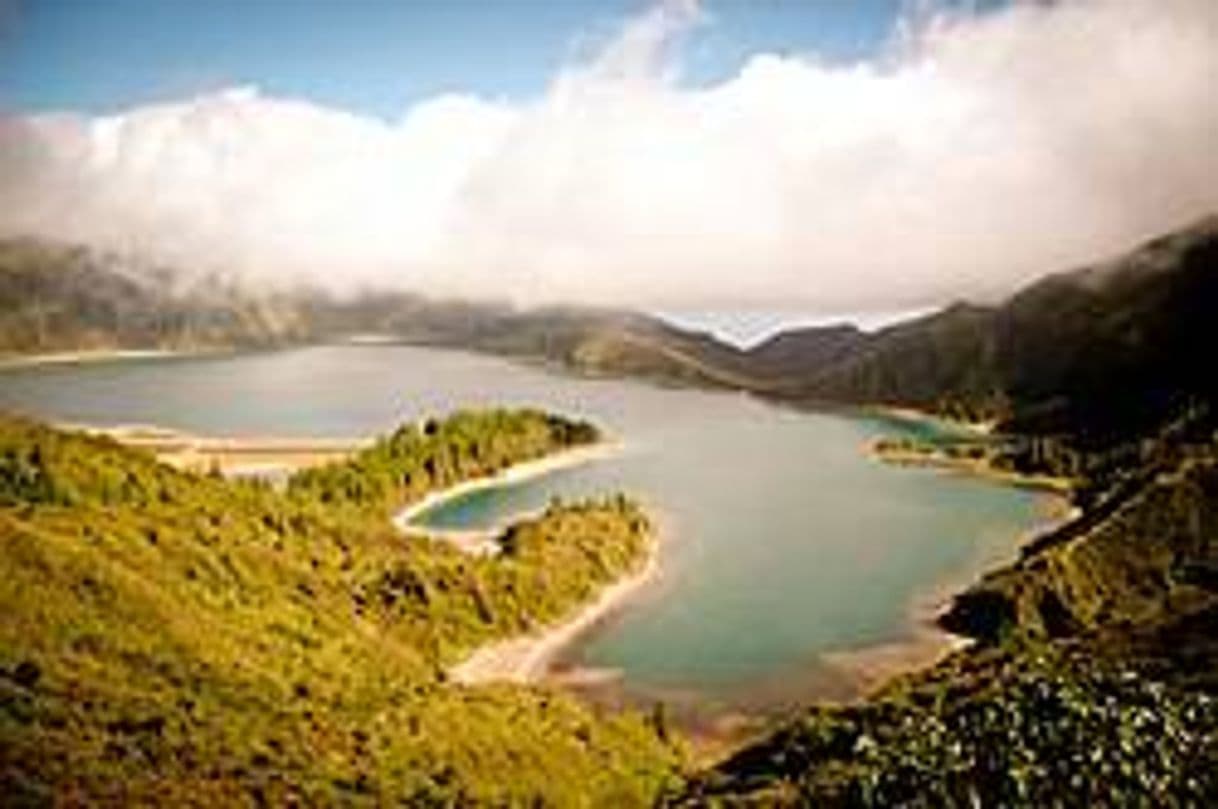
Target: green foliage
[(1154, 552), (169, 638), (415, 460), (1021, 730)]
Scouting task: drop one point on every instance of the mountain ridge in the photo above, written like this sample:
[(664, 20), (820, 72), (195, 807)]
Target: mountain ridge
[(1046, 360)]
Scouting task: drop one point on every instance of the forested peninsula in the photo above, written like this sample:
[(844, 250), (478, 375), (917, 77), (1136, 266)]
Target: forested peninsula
[(170, 638)]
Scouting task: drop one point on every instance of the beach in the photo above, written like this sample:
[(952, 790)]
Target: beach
[(257, 456), (517, 473), (870, 668), (526, 658)]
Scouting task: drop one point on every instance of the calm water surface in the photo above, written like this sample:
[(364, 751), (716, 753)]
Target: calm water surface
[(783, 542)]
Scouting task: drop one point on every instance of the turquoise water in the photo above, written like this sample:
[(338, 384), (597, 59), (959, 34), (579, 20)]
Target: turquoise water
[(782, 540)]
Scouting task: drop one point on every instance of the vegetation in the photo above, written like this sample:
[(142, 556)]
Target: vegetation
[(167, 638), (174, 639), (1090, 357), (417, 459), (64, 298), (1037, 725), (1010, 459), (1094, 676)]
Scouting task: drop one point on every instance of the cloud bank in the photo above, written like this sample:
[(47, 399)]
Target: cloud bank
[(976, 153)]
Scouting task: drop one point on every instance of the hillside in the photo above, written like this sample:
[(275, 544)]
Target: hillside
[(175, 639), (1058, 358), (1063, 356), (61, 298), (1091, 677), (64, 298)]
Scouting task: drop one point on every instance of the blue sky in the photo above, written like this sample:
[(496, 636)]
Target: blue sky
[(997, 149), (375, 56)]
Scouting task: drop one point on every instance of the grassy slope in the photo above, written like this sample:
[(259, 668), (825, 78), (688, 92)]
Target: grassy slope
[(169, 638)]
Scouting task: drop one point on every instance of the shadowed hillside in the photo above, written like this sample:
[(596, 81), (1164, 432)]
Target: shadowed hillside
[(1094, 353)]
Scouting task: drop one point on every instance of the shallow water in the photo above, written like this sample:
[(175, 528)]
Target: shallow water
[(782, 540)]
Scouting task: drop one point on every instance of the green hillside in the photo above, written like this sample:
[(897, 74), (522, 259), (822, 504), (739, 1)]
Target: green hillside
[(172, 639)]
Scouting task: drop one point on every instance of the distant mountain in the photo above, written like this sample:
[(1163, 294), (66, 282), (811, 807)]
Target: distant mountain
[(803, 352), (584, 339), (67, 298), (1100, 350), (1097, 352)]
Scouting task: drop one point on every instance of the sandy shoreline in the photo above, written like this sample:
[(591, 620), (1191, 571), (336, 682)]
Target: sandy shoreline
[(526, 659), (517, 473), (257, 456), (912, 414), (872, 667), (89, 356), (970, 467)]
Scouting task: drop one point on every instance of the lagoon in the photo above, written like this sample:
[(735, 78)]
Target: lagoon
[(784, 545)]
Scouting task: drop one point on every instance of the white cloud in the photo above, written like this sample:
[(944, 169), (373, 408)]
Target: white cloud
[(979, 152)]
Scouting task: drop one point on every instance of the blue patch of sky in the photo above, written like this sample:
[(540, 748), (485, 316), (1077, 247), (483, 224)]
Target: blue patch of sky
[(377, 57)]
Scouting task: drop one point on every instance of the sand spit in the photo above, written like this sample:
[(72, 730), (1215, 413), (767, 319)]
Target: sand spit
[(527, 658), (257, 456)]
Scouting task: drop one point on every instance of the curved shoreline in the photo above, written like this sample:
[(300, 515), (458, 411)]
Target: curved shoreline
[(526, 658), (514, 474), (925, 643)]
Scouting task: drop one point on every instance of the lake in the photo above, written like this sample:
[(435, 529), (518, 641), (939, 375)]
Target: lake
[(783, 543)]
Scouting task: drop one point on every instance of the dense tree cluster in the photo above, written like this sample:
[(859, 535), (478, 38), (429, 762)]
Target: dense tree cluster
[(417, 459)]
